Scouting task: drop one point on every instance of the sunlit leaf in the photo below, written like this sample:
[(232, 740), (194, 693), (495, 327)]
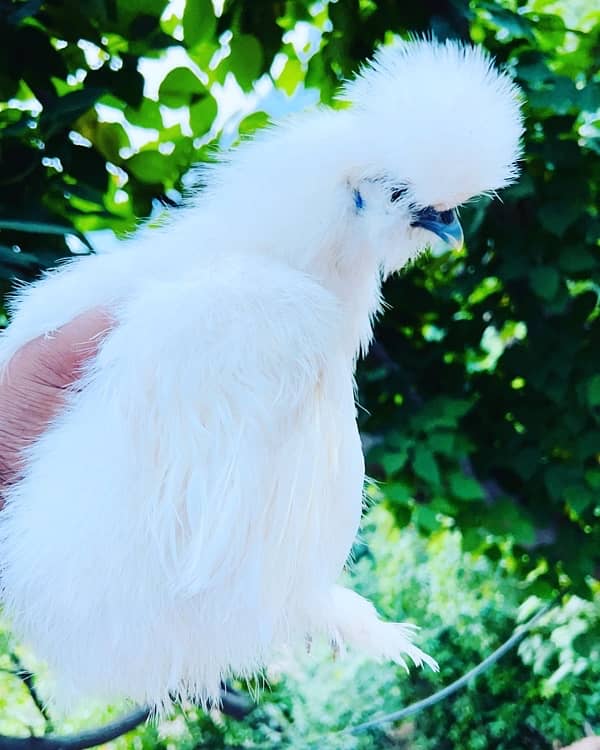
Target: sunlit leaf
[(253, 122), (199, 21), (202, 115), (291, 76), (151, 167)]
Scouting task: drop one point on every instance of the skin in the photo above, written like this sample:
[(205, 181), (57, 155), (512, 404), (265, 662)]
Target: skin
[(589, 743), (34, 386)]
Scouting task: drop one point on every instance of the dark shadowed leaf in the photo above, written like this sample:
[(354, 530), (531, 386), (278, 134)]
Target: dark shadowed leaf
[(545, 281), (179, 86), (245, 60)]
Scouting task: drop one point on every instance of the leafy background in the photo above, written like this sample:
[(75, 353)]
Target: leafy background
[(481, 393)]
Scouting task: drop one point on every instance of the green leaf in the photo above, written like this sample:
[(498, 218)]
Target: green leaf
[(129, 10), (199, 22), (202, 54), (456, 407), (576, 259), (561, 96), (592, 477), (579, 498), (425, 465), (526, 462), (402, 515), (535, 72), (147, 115), (558, 216), (514, 25), (443, 505), (15, 122), (179, 86), (522, 531), (466, 488), (504, 518), (109, 139), (65, 110), (151, 167), (398, 492), (545, 281), (125, 84), (593, 391), (441, 442), (557, 478), (8, 87), (245, 59), (10, 260), (291, 76), (392, 462), (426, 518), (472, 539), (253, 122), (166, 135), (40, 227), (202, 115)]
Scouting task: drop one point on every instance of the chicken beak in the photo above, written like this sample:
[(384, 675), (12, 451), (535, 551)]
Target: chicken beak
[(444, 224)]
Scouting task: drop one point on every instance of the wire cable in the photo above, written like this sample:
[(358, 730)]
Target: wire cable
[(415, 708)]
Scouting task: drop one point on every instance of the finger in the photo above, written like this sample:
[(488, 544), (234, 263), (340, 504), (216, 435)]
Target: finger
[(33, 389), (56, 358)]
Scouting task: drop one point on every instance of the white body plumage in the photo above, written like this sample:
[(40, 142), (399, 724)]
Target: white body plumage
[(194, 505)]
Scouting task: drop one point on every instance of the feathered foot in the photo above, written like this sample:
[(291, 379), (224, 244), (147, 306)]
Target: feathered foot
[(353, 621)]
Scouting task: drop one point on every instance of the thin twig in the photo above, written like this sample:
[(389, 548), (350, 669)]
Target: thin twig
[(27, 678)]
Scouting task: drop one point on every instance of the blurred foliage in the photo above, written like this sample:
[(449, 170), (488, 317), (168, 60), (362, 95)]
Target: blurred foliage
[(484, 387), (482, 392)]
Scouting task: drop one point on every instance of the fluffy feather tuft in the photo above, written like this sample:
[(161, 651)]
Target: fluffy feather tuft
[(451, 120)]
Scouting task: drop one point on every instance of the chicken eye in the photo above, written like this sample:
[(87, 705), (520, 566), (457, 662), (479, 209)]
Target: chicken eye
[(447, 217), (397, 193)]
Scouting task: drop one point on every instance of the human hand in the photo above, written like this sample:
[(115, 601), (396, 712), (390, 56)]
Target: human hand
[(34, 384), (588, 743)]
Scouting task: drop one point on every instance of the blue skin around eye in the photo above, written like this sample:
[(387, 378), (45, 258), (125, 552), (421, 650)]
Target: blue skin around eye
[(359, 203)]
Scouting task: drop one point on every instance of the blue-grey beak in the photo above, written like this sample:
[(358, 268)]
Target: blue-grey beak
[(444, 224)]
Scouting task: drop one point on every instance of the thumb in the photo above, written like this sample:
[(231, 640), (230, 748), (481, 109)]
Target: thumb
[(55, 359), (32, 389)]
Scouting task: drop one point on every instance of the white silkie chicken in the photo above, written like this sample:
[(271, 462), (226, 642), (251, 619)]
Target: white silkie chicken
[(194, 505)]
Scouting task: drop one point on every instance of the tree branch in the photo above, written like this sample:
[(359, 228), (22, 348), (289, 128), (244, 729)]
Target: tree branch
[(233, 704), (79, 741), (26, 677)]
